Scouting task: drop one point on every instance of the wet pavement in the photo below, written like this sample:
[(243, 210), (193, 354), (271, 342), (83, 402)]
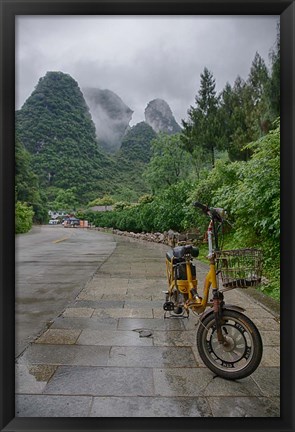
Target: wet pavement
[(111, 352), (53, 264)]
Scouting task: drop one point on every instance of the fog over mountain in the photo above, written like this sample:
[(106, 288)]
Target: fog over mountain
[(141, 58), (110, 115)]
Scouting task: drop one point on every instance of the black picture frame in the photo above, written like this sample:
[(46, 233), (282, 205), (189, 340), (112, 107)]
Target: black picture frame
[(10, 9)]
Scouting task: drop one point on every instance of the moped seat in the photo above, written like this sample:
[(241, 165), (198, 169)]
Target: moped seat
[(178, 253), (170, 255)]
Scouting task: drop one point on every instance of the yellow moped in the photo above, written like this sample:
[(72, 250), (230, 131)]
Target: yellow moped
[(228, 342)]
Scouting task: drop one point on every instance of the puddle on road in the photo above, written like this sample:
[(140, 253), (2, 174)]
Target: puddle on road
[(42, 372), (32, 379)]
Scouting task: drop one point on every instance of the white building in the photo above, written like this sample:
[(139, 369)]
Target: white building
[(55, 214)]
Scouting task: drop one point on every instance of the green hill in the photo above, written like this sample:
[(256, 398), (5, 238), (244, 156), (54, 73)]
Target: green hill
[(131, 160), (136, 145), (55, 126)]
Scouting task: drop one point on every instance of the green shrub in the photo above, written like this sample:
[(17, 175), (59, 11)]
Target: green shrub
[(23, 217), (249, 191), (166, 211)]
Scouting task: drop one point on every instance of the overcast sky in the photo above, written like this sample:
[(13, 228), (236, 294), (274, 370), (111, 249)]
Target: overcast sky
[(141, 58)]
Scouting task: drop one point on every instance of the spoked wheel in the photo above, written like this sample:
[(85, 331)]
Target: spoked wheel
[(241, 353)]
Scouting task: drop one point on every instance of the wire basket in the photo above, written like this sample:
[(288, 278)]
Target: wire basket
[(240, 268)]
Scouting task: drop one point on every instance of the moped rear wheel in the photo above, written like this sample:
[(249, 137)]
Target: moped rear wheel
[(178, 299), (241, 354)]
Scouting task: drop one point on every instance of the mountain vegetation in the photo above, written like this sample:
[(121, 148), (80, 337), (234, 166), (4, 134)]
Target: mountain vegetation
[(136, 145), (55, 126), (169, 163), (227, 155), (128, 164), (29, 198), (57, 150)]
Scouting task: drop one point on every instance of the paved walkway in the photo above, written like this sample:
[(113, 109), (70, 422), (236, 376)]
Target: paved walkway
[(111, 353)]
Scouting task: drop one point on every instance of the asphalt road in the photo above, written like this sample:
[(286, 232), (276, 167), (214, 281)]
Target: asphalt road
[(53, 264)]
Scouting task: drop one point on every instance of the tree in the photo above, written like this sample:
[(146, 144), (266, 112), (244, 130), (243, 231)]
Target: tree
[(202, 129), (27, 187), (256, 197), (258, 81), (243, 111), (106, 200), (234, 104), (65, 200), (23, 217), (169, 163)]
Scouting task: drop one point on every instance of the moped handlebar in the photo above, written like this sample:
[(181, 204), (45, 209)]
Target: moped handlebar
[(203, 207), (214, 213)]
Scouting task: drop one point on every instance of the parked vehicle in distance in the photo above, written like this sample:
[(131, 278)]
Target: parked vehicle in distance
[(71, 222), (53, 222)]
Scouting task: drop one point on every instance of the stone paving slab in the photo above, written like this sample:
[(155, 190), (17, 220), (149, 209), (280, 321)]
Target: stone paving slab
[(270, 338), (268, 324), (78, 312), (270, 357), (150, 407), (52, 406), (66, 355), (150, 324), (151, 357), (95, 323), (258, 313), (244, 406), (101, 381), (111, 353), (172, 338), (112, 338), (59, 336), (124, 313), (268, 380), (139, 304), (200, 382)]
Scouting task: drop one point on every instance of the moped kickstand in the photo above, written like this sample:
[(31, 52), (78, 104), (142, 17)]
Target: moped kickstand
[(169, 314)]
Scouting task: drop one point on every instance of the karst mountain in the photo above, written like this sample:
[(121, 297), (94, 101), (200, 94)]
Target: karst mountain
[(82, 138)]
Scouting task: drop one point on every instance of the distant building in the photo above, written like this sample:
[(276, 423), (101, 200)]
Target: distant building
[(55, 214)]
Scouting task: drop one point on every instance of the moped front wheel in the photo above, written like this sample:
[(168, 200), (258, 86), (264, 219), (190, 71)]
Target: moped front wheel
[(239, 355)]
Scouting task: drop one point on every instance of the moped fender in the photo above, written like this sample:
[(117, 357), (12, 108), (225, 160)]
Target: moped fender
[(225, 307)]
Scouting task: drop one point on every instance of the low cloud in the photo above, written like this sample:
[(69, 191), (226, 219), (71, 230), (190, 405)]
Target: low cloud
[(141, 58)]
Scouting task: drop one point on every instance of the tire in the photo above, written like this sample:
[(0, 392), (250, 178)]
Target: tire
[(243, 354)]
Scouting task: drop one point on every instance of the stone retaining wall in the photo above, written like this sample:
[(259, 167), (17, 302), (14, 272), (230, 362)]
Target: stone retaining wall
[(170, 237)]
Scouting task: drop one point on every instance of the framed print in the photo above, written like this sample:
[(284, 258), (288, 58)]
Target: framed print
[(115, 117)]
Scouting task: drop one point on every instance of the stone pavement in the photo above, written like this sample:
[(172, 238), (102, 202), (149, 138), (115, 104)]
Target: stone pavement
[(111, 352)]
